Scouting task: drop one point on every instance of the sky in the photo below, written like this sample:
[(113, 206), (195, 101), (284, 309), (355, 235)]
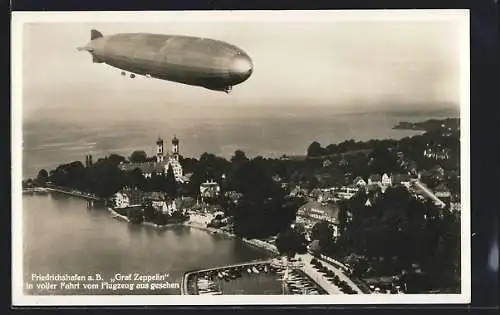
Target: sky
[(354, 63)]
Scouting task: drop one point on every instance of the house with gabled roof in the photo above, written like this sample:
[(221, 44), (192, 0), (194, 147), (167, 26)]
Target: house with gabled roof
[(442, 191), (313, 212), (359, 181), (386, 180), (374, 179)]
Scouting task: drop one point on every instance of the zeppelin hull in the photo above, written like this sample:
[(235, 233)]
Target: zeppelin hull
[(190, 60)]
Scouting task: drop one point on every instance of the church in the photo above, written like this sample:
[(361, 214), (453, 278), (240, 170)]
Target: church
[(163, 161)]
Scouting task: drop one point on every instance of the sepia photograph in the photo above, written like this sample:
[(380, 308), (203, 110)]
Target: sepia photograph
[(240, 157)]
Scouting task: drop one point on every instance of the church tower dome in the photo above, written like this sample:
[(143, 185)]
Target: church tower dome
[(160, 155), (175, 147), (175, 141)]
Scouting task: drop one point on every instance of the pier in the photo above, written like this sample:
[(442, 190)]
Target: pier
[(71, 192)]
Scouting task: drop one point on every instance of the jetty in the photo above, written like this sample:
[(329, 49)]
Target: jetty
[(63, 190)]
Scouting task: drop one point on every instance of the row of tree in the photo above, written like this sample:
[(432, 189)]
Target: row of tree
[(384, 151)]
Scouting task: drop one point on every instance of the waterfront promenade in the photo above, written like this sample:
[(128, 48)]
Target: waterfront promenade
[(322, 280)]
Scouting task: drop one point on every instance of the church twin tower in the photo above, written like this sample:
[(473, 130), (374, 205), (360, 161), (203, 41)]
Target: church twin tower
[(160, 153)]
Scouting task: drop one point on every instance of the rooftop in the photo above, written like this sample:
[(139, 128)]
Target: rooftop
[(329, 209)]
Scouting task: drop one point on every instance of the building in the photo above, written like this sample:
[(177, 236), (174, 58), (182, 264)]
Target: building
[(276, 178), (163, 161), (157, 199), (359, 182), (343, 162), (327, 163), (400, 179), (88, 160), (455, 206), (233, 195), (438, 172), (128, 198), (148, 169), (298, 191), (345, 192), (374, 179), (386, 180), (442, 192), (314, 212), (437, 153), (209, 190)]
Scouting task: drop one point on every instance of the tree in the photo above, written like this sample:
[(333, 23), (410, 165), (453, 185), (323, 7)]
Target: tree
[(315, 149), (299, 228), (343, 216), (149, 212), (315, 248), (289, 242), (42, 177), (115, 159), (138, 157), (170, 183), (239, 157), (135, 179), (323, 232), (104, 178)]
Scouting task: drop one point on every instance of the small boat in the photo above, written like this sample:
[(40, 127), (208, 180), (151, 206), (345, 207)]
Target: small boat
[(266, 269), (249, 270), (255, 270)]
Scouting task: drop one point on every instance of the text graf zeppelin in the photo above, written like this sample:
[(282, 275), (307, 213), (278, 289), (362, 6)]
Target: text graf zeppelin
[(99, 284)]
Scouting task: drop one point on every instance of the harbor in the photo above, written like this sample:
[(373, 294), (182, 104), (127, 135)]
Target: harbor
[(267, 276)]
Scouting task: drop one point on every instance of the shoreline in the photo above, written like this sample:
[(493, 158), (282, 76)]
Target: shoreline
[(253, 242), (193, 224), (269, 248)]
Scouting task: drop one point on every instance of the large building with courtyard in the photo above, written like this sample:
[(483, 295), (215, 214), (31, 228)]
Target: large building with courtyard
[(162, 162)]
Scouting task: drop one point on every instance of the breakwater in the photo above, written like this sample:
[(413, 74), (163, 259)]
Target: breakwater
[(66, 191)]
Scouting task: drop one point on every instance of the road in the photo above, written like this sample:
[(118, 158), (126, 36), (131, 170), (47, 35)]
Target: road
[(428, 192), (322, 280)]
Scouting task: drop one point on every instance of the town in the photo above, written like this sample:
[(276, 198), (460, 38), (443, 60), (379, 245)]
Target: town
[(386, 211)]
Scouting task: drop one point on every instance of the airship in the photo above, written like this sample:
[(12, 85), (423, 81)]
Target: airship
[(195, 61)]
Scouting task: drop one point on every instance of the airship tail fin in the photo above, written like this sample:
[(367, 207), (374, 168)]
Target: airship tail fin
[(95, 34)]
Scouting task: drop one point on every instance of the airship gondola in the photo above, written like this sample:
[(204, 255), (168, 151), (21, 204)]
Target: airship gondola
[(208, 63)]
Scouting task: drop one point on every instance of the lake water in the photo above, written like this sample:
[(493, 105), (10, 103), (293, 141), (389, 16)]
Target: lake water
[(62, 236)]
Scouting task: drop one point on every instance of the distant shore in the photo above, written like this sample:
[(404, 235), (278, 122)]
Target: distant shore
[(429, 125)]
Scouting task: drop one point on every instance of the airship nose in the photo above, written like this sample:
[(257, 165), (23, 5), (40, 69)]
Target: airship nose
[(241, 65)]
